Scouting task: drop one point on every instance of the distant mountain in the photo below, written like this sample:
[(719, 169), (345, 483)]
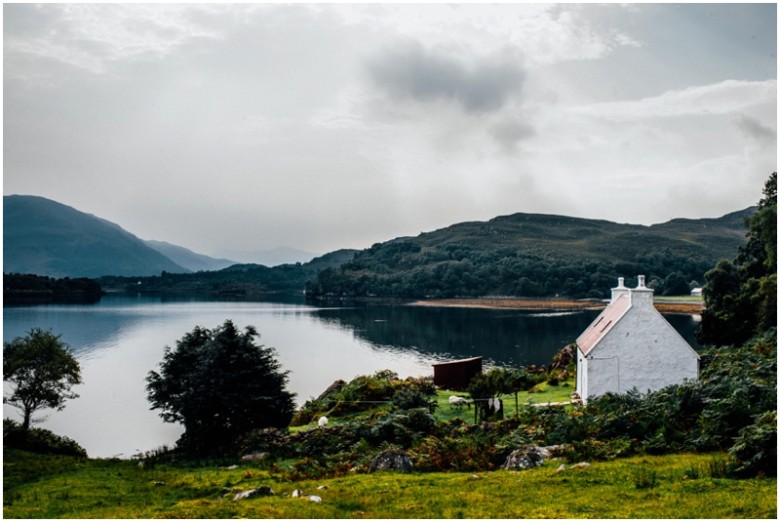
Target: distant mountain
[(270, 257), (43, 237), (535, 255), (187, 258)]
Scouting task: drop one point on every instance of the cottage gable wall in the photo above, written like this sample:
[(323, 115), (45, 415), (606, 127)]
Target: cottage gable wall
[(641, 350)]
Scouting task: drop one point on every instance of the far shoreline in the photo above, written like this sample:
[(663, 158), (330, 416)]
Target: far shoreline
[(666, 306)]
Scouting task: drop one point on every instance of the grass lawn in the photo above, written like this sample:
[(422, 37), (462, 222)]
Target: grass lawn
[(542, 393), (672, 486)]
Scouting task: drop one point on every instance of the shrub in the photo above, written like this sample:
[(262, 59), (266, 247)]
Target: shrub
[(755, 449), (38, 440), (453, 454), (367, 392), (268, 440), (594, 449), (408, 398)]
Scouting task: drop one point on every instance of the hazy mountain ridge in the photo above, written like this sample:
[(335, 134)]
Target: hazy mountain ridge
[(187, 258), (47, 238)]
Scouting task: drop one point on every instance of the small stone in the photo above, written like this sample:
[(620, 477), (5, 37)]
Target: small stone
[(234, 466), (262, 491), (297, 493), (581, 465), (562, 467), (315, 498), (322, 487), (254, 456)]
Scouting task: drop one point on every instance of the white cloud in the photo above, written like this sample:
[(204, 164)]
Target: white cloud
[(725, 97), (92, 36)]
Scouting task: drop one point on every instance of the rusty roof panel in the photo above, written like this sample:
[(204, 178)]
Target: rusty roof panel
[(603, 323)]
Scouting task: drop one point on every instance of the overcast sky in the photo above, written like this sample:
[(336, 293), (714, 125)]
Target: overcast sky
[(331, 126)]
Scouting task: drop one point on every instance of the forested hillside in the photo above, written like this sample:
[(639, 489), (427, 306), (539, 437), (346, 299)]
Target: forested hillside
[(537, 255)]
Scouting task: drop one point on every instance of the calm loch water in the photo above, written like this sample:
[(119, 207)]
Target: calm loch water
[(119, 340)]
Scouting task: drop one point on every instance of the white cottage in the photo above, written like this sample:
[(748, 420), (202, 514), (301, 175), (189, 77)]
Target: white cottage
[(630, 345)]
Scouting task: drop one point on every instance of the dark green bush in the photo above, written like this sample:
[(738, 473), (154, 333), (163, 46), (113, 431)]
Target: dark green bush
[(755, 449), (38, 440), (369, 392), (408, 398)]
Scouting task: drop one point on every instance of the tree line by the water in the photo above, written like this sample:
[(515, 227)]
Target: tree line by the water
[(32, 289)]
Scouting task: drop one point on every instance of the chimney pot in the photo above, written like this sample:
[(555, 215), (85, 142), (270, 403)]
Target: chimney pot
[(641, 282)]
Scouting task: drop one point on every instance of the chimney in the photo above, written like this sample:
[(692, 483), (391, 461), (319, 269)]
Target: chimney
[(619, 289), (641, 295)]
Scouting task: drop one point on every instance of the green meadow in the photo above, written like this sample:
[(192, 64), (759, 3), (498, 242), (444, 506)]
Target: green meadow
[(670, 486)]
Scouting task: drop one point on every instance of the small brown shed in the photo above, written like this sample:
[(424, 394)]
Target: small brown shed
[(455, 375)]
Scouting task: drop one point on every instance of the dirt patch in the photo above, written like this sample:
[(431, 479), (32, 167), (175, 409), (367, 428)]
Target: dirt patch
[(552, 304)]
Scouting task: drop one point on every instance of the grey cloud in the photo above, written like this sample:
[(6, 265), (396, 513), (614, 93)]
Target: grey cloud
[(755, 129), (509, 132), (412, 72)]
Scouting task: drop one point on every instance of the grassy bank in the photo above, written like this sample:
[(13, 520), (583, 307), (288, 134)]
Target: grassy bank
[(672, 486)]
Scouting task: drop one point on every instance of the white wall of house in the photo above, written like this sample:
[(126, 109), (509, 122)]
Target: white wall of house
[(642, 351)]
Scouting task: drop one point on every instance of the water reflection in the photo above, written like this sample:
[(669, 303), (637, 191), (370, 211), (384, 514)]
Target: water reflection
[(503, 337)]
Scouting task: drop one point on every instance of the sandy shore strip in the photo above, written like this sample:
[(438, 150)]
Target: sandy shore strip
[(553, 304)]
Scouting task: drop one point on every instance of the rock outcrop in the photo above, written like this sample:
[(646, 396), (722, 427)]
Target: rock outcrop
[(391, 460)]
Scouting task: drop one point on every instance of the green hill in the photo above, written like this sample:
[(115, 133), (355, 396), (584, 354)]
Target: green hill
[(43, 237), (535, 255)]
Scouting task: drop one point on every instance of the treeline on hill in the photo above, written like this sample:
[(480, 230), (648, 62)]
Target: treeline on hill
[(32, 289), (404, 270), (537, 255), (242, 280)]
